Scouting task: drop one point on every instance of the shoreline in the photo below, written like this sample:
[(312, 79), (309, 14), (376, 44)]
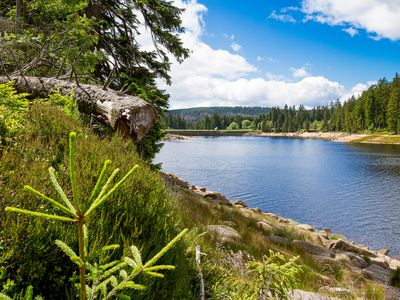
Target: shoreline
[(326, 237), (341, 137)]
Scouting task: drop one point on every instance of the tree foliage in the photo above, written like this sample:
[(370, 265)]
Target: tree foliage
[(376, 109), (95, 41)]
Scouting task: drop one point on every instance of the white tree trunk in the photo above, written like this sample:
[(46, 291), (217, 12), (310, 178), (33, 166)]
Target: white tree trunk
[(130, 115)]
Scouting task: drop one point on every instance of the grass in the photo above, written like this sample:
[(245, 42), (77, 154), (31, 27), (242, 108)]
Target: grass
[(139, 214), (198, 212), (379, 139)]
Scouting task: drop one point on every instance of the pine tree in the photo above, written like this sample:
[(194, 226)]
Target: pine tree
[(393, 105)]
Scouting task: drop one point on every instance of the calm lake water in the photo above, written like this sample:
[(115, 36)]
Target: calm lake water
[(352, 188)]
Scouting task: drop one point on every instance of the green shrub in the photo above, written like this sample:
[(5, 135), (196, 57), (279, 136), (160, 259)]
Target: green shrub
[(395, 280), (13, 108), (141, 214)]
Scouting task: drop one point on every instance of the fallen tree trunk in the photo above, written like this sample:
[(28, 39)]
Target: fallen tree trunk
[(130, 115)]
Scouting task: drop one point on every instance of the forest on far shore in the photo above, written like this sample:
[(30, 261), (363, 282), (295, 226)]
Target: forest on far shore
[(376, 109)]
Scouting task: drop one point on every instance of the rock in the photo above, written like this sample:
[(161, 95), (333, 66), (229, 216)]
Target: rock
[(353, 259), (384, 251), (347, 247), (217, 198), (311, 248), (284, 221), (265, 227), (202, 189), (224, 233), (324, 260), (394, 264), (380, 261), (327, 230), (377, 273), (240, 203), (324, 234), (271, 215), (279, 240), (302, 295), (337, 291), (174, 181), (256, 210), (306, 227)]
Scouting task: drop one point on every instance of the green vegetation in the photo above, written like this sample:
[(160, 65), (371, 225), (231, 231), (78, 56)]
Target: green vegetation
[(375, 110), (95, 42), (135, 215), (102, 276)]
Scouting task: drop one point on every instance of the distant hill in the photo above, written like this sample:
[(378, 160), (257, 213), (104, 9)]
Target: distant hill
[(197, 113)]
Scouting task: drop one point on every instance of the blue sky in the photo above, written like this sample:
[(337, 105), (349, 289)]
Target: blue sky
[(265, 52)]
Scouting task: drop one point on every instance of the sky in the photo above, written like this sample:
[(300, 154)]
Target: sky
[(277, 52)]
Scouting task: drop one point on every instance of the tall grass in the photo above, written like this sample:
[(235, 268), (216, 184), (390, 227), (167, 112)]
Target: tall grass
[(141, 213)]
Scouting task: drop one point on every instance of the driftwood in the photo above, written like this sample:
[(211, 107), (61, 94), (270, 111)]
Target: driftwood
[(130, 115)]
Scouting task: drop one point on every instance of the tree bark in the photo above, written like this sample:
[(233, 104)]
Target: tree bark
[(130, 115)]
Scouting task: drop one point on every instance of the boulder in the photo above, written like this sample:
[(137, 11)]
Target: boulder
[(306, 227), (279, 240), (256, 210), (394, 264), (384, 251), (380, 261), (303, 295), (240, 203), (327, 230), (283, 221), (311, 248), (224, 233), (216, 198), (202, 189), (324, 260), (377, 273), (338, 291), (271, 215), (342, 245), (352, 259), (265, 227)]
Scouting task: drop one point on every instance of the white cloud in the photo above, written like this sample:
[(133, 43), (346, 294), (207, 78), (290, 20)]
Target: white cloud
[(282, 17), (356, 90), (351, 31), (300, 72), (216, 77), (236, 47), (380, 18)]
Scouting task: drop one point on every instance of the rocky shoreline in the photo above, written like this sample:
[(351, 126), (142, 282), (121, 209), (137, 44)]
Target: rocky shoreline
[(323, 246)]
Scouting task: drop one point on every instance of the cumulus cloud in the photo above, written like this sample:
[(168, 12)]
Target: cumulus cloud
[(380, 18), (216, 77), (299, 72), (356, 90)]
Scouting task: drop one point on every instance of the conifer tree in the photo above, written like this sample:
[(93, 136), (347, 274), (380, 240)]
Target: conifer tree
[(393, 105)]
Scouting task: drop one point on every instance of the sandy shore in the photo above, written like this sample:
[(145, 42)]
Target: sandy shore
[(175, 137), (331, 136)]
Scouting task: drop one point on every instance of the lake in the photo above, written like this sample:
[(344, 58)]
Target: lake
[(354, 189)]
